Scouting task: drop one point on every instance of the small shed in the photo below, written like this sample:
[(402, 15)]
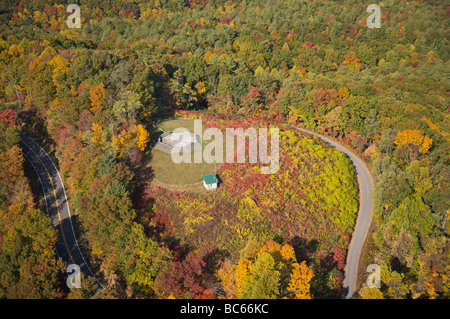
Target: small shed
[(210, 181)]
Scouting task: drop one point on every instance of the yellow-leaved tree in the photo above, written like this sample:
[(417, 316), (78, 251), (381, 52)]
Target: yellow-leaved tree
[(142, 137), (59, 64), (129, 137), (344, 92), (96, 133), (411, 143)]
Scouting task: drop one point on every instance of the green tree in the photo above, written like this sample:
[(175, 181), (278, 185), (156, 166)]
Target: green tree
[(144, 260), (28, 263), (127, 107), (371, 124), (392, 185), (386, 141), (143, 85), (121, 75), (355, 110), (263, 280), (413, 215)]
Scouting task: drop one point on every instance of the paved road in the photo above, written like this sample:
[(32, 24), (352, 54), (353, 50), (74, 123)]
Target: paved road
[(57, 206), (364, 214)]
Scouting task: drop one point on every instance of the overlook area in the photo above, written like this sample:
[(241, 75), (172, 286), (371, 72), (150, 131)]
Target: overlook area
[(181, 176)]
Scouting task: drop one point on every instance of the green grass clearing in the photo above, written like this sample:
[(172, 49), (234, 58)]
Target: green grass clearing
[(183, 176), (170, 125)]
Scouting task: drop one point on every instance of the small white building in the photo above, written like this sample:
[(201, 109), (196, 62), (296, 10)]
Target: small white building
[(185, 141), (175, 142), (210, 181)]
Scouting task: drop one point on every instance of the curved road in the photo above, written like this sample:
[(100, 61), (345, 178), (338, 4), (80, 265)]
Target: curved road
[(57, 206), (364, 214)]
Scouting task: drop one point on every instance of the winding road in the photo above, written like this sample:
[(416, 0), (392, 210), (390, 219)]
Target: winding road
[(364, 215), (66, 245)]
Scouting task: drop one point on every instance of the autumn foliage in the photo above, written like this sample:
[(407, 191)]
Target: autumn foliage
[(91, 95), (311, 178), (97, 96), (263, 271), (412, 143), (133, 135)]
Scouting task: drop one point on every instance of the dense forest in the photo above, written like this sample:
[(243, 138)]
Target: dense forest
[(89, 95)]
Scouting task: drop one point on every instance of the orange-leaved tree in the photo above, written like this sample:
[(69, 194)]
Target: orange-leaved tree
[(300, 277), (97, 95)]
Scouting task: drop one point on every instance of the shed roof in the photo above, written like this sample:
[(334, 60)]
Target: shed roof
[(210, 179)]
